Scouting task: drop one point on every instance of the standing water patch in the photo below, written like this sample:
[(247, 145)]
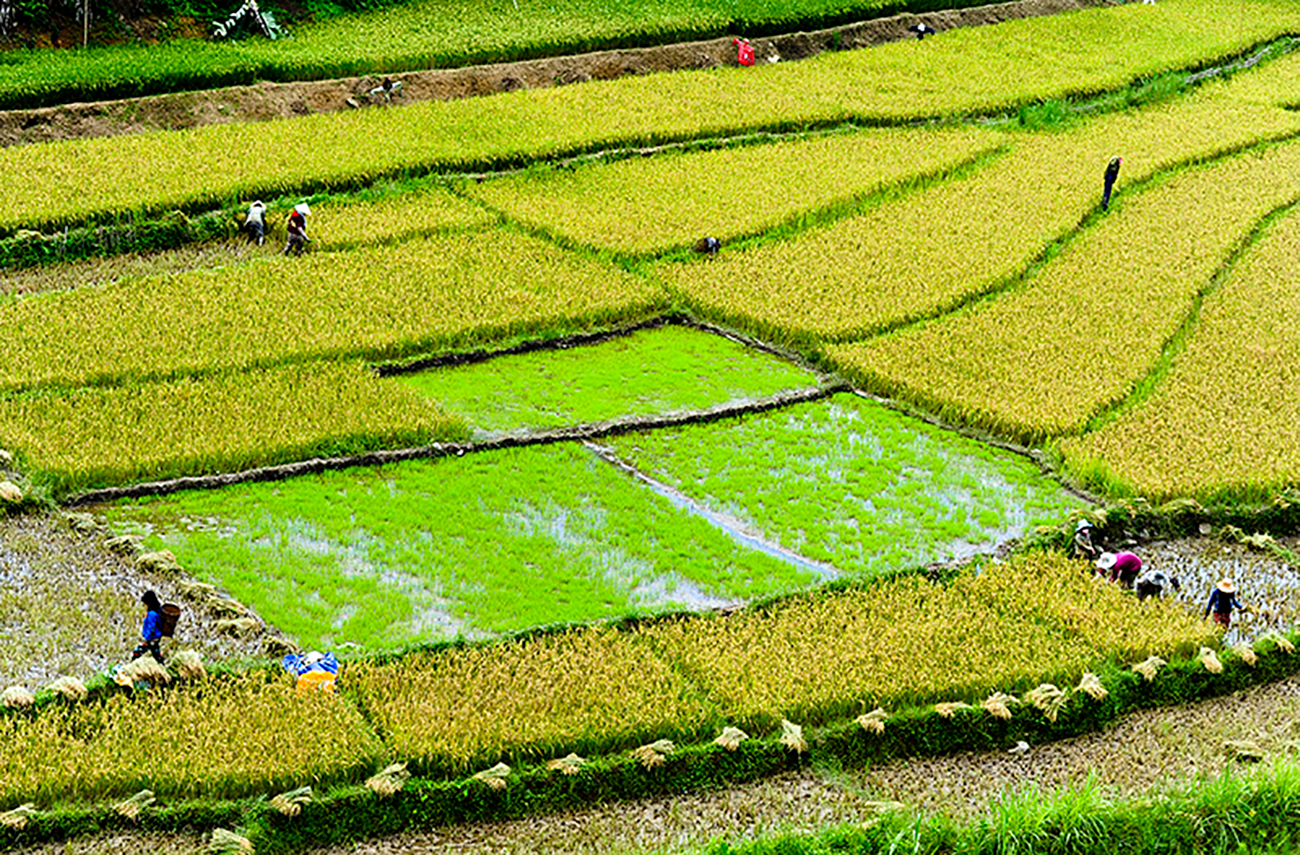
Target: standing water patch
[(647, 373), (851, 483)]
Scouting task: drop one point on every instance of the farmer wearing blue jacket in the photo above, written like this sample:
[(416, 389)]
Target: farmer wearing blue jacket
[(151, 630), (1223, 599)]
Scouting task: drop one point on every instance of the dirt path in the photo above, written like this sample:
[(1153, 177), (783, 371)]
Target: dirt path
[(267, 101)]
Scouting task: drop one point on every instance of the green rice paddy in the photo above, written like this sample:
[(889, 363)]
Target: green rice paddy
[(502, 540), (852, 483), (650, 372)]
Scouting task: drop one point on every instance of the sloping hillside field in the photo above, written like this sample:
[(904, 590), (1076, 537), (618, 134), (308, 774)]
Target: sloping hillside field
[(572, 490)]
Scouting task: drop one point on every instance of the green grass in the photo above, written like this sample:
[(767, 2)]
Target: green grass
[(490, 542), (650, 372), (852, 483)]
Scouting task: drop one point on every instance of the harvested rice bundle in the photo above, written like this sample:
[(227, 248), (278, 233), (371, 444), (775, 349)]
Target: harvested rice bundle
[(290, 803), (17, 697), (70, 688), (388, 780), (1091, 686), (570, 764), (948, 709), (17, 818), (792, 737), (1047, 698), (653, 755), (189, 665), (131, 807), (1149, 667), (874, 721), (147, 669), (1210, 660), (730, 738), (226, 842), (494, 777), (1246, 652), (999, 704)]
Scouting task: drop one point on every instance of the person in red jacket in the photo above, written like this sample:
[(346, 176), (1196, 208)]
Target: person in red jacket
[(297, 228), (1123, 567)]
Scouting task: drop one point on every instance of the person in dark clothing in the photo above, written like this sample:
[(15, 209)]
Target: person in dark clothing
[(1223, 599), (708, 245), (1153, 584), (1083, 545), (922, 30), (1112, 172), (151, 630), (297, 229)]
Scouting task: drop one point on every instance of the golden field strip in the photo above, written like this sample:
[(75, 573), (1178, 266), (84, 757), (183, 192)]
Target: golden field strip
[(918, 255), (378, 303), (655, 205), (1040, 361), (968, 71), (596, 690), (98, 437), (247, 735), (1224, 419)]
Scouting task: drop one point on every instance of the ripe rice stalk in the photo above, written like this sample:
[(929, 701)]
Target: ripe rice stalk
[(70, 688), (131, 807), (388, 780), (874, 721), (1047, 698), (654, 754), (226, 842), (17, 697), (495, 778), (1092, 687), (17, 818), (792, 737), (999, 704), (189, 665), (1149, 667), (948, 709), (730, 738), (290, 803), (570, 764), (1246, 653), (1210, 660)]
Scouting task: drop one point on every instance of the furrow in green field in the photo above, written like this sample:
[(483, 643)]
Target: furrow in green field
[(424, 295), (919, 255), (1224, 420), (1042, 360), (669, 202)]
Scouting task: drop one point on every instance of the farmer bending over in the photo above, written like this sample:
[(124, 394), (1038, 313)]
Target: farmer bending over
[(1124, 567), (1083, 545), (255, 223), (297, 228), (151, 630)]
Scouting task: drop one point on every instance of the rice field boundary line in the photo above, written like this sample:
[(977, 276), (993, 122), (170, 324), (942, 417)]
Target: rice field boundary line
[(730, 526), (1177, 343), (379, 458), (1024, 279), (395, 369)]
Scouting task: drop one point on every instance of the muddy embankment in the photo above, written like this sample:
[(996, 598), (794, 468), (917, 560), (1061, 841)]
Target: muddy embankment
[(268, 101)]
